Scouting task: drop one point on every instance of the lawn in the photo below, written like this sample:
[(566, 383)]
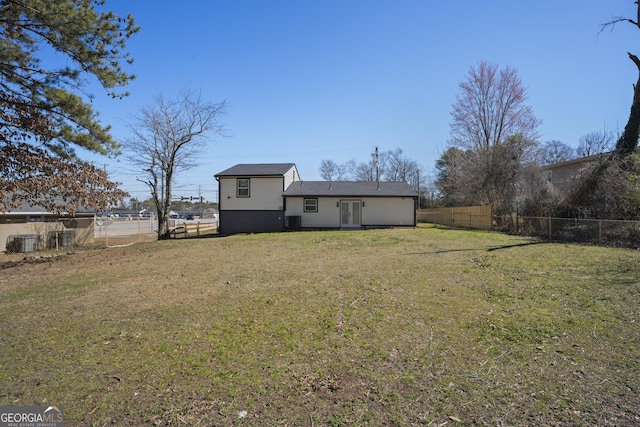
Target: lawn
[(372, 328)]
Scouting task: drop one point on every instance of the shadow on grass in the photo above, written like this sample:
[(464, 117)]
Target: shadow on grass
[(487, 248), (202, 236), (497, 248)]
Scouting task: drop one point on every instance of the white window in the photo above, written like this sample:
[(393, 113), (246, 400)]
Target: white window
[(243, 187), (311, 205)]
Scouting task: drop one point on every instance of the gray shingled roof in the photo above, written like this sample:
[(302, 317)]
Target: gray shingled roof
[(257, 169), (25, 209), (349, 189)]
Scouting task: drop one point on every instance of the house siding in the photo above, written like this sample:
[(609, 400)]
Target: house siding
[(377, 211), (290, 176), (397, 211), (561, 176), (265, 194), (328, 215), (233, 222)]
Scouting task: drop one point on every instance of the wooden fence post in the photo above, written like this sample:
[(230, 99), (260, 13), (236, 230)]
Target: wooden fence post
[(599, 231)]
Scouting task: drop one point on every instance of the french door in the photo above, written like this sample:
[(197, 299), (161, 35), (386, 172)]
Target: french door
[(350, 213)]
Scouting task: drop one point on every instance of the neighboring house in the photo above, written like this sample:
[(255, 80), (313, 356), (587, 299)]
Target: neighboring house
[(561, 174), (28, 229), (272, 197)]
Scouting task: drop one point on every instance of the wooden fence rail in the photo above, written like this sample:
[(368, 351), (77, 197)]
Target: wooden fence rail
[(478, 217), (190, 230)]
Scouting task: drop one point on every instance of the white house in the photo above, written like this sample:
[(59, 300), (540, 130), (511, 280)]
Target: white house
[(272, 197)]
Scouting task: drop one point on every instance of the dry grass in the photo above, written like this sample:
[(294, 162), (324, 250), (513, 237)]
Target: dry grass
[(379, 327)]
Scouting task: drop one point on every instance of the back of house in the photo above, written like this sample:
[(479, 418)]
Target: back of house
[(271, 197)]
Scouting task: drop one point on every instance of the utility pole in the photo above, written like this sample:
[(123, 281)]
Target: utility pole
[(419, 197), (377, 167)]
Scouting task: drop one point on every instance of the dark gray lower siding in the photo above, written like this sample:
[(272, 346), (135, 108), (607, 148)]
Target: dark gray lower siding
[(233, 222)]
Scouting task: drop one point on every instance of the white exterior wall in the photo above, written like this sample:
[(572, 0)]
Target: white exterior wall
[(291, 176), (328, 214), (388, 211), (376, 211), (265, 194)]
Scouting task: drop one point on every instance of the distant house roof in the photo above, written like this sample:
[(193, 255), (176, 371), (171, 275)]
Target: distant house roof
[(350, 189), (257, 169), (580, 160), (25, 209)]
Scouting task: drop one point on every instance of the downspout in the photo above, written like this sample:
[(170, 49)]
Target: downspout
[(219, 204), (219, 198), (284, 206)]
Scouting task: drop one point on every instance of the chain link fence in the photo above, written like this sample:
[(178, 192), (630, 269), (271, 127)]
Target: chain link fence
[(114, 231), (575, 230), (591, 231)]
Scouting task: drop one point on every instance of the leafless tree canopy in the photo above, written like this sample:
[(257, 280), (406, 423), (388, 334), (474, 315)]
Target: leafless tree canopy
[(167, 137), (330, 170), (490, 108), (497, 132), (555, 151), (391, 166), (597, 142)]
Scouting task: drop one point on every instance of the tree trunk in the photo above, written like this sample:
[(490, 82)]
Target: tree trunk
[(629, 139)]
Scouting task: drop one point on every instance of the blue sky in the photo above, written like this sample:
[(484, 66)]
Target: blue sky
[(310, 80)]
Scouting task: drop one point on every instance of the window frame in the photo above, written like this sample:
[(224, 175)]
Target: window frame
[(306, 209), (240, 189)]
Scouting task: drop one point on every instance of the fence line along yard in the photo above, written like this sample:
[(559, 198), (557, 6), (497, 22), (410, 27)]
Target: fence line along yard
[(125, 230), (191, 229), (580, 230), (575, 230), (473, 217)]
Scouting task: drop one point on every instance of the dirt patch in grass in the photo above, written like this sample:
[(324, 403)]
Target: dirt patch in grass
[(377, 327)]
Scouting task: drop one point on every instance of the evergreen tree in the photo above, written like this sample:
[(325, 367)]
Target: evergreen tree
[(44, 113)]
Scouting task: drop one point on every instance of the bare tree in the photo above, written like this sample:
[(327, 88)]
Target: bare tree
[(399, 168), (497, 131), (387, 166), (555, 151), (491, 107), (167, 137), (597, 142), (330, 170), (365, 171)]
